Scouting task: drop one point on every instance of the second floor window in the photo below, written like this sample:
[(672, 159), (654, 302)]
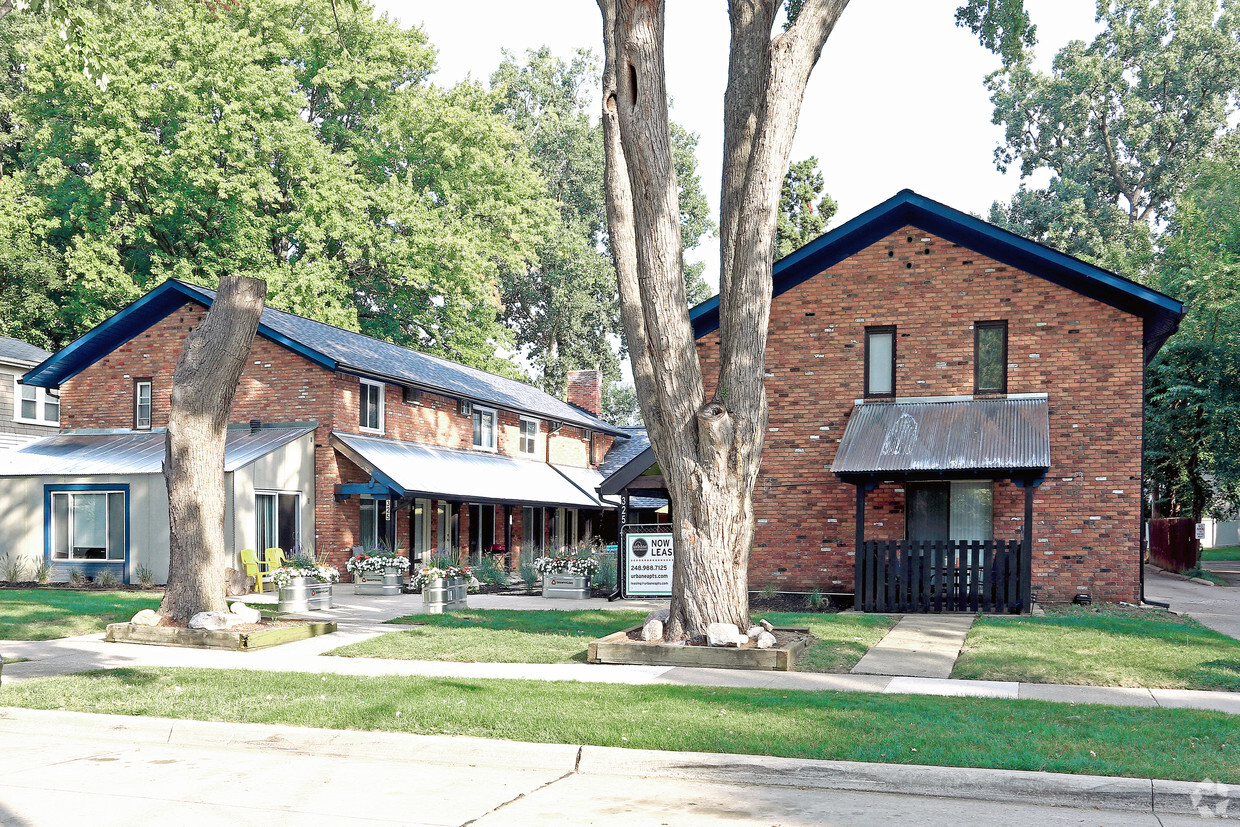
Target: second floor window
[(529, 435), (880, 361), (370, 408), (484, 428), (990, 357), (142, 403), (36, 405)]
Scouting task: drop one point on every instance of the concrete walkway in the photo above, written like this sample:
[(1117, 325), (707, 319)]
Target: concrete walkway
[(1217, 607), (919, 646), (66, 768)]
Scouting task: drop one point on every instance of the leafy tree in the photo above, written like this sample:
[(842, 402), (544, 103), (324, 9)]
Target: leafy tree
[(620, 404), (564, 310), (1193, 412), (1118, 122), (804, 209)]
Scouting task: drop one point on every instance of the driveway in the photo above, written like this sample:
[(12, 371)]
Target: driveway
[(1229, 569), (1215, 606)]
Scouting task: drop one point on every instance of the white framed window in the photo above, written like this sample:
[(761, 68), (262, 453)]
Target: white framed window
[(35, 406), (142, 403), (485, 427), (279, 519), (87, 525), (370, 407), (529, 435)]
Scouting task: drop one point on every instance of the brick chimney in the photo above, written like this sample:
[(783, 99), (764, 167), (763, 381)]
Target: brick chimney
[(585, 390)]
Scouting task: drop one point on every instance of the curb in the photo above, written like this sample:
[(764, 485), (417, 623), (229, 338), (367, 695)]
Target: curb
[(1157, 796)]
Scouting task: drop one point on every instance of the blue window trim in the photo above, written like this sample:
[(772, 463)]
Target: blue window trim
[(88, 565)]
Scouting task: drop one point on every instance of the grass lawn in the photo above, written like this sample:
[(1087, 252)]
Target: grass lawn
[(44, 614), (973, 732), (507, 636), (1221, 553), (1107, 646)]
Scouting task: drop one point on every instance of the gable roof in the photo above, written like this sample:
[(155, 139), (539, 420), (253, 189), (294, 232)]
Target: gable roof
[(330, 347), (17, 352), (1161, 314)]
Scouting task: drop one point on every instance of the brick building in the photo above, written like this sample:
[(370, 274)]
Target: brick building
[(947, 382), (404, 449)]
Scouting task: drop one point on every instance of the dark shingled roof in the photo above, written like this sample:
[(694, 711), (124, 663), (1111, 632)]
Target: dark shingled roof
[(22, 353), (330, 347), (624, 450)]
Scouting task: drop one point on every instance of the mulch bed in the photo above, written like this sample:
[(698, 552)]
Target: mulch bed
[(85, 587), (795, 603)]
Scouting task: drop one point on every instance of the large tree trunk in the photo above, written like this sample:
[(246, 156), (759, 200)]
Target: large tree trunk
[(709, 449), (203, 386)]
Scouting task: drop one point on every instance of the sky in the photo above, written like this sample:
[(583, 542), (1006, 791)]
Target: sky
[(897, 100)]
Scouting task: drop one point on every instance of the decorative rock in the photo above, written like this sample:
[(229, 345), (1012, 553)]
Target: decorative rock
[(766, 624), (209, 620), (146, 617), (236, 583), (742, 639), (753, 632), (722, 634), (660, 615), (245, 614), (652, 631), (766, 640)]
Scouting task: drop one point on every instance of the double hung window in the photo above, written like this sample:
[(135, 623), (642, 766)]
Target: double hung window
[(880, 362), (36, 406), (485, 422), (370, 407)]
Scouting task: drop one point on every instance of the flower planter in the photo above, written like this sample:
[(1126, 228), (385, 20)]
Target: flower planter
[(304, 594), (566, 586), (444, 595), (386, 582)]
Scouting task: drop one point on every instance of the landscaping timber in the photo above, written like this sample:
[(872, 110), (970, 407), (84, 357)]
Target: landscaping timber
[(621, 647), (233, 640)]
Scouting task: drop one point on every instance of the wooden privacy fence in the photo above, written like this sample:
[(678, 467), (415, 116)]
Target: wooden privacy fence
[(1173, 543), (941, 576)]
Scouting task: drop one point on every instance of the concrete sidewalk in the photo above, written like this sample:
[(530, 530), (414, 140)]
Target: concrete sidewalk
[(64, 767)]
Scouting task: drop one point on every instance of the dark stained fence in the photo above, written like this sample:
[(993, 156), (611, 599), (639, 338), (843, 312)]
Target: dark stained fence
[(1173, 543), (940, 576)]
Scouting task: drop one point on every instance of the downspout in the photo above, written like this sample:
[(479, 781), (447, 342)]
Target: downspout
[(1141, 520)]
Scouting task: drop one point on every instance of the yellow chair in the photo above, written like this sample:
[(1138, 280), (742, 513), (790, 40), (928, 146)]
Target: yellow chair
[(274, 558), (253, 568)]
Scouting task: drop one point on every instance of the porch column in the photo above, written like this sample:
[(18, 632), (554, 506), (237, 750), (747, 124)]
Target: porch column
[(393, 507), (858, 553), (1026, 556), (508, 533)]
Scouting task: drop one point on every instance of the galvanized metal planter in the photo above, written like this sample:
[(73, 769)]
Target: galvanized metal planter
[(444, 595), (567, 586), (386, 582), (304, 594)]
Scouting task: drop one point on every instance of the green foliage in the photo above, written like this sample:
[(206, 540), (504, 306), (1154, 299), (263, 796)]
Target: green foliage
[(1193, 391), (489, 572), (1118, 122), (107, 579), (14, 568), (604, 577), (1002, 26), (146, 577), (804, 209), (620, 406), (529, 575), (43, 572), (815, 600)]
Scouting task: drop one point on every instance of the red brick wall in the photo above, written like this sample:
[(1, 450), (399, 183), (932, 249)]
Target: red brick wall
[(278, 385), (1084, 354)]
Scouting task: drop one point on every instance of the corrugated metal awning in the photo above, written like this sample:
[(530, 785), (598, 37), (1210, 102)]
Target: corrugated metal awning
[(132, 452), (964, 435), (415, 470)]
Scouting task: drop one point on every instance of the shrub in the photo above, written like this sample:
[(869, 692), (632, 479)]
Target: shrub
[(529, 575), (490, 573), (767, 592), (605, 577), (107, 579), (77, 578), (43, 572), (14, 569), (815, 600), (146, 577)]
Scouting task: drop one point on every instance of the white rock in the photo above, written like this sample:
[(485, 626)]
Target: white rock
[(146, 617), (209, 620), (766, 640), (742, 639), (245, 614), (753, 632), (660, 615), (653, 630), (722, 634)]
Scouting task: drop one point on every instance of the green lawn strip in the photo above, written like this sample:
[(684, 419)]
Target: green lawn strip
[(511, 636), (1221, 553), (1204, 574), (1103, 646), (966, 732), (44, 614)]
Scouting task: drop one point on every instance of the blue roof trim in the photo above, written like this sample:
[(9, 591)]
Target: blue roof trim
[(132, 321), (1161, 313)]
